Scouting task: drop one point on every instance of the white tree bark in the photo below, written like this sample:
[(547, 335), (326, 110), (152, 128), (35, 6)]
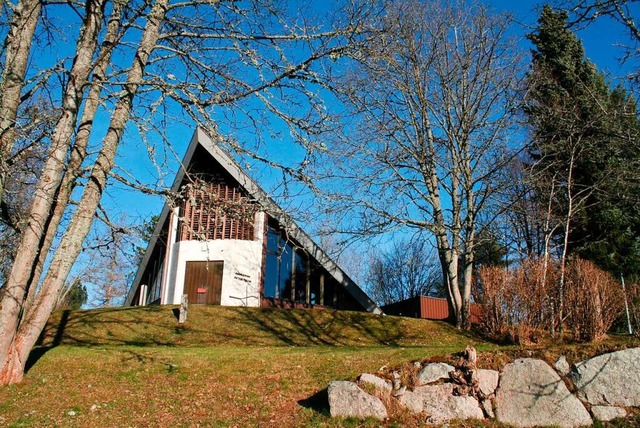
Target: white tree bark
[(19, 280), (71, 243), (18, 46), (78, 153)]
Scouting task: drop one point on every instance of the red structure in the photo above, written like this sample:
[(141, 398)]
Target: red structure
[(431, 308)]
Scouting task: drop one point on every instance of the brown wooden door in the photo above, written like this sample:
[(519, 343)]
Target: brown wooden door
[(203, 282)]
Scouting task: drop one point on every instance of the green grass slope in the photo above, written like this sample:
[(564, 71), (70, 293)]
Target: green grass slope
[(217, 325), (242, 367), (224, 367)]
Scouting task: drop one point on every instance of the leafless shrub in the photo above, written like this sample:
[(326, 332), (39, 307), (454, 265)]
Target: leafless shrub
[(520, 304), (594, 300)]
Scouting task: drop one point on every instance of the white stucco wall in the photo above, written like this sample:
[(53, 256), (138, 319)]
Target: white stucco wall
[(241, 270)]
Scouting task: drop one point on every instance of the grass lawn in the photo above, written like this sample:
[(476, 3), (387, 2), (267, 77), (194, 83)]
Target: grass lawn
[(225, 367), (213, 386)]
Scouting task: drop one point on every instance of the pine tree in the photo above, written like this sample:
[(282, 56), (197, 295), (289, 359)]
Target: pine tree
[(585, 150)]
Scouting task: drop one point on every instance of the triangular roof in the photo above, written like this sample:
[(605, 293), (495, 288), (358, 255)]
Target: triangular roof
[(200, 138)]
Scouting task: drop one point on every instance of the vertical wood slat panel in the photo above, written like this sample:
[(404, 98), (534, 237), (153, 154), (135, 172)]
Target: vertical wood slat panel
[(185, 216), (208, 203), (207, 218), (192, 221)]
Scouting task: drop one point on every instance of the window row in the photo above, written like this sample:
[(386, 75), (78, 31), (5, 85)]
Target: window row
[(291, 275)]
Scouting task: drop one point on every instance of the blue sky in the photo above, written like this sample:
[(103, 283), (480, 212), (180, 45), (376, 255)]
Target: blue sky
[(600, 40)]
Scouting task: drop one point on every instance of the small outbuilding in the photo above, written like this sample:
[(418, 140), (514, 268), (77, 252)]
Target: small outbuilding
[(431, 308)]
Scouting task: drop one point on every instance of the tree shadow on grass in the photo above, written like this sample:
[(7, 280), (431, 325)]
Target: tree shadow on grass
[(326, 327), (149, 326), (35, 355), (39, 351), (318, 402)]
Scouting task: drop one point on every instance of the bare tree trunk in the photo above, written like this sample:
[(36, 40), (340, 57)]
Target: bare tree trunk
[(548, 233), (565, 244), (467, 281), (18, 45), (447, 250), (453, 288), (470, 236), (19, 280), (79, 150), (71, 243), (449, 261)]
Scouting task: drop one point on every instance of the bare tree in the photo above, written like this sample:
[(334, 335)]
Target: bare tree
[(405, 270), (433, 108), (17, 46), (111, 249), (135, 61)]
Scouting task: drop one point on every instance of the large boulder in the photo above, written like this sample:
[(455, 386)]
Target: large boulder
[(611, 379), (433, 372), (532, 394), (346, 399), (440, 404)]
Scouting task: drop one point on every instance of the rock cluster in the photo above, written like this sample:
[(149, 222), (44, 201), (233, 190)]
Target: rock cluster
[(525, 393), (439, 403)]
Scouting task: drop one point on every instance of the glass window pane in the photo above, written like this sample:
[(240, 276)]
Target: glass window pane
[(286, 267), (271, 275), (301, 277), (315, 284), (273, 238)]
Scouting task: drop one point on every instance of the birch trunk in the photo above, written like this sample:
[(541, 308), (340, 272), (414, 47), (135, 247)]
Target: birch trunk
[(467, 282), (565, 245), (71, 243), (79, 150), (548, 234), (18, 46), (19, 282), (446, 250)]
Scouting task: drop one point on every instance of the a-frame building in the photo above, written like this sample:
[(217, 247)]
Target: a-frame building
[(223, 241)]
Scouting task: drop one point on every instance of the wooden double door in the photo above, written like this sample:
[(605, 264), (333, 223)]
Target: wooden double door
[(203, 282)]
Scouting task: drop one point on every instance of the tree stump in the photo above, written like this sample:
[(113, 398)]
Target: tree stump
[(184, 306), (465, 375)]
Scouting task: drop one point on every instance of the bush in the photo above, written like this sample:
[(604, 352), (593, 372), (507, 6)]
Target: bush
[(518, 304), (593, 300), (521, 304)]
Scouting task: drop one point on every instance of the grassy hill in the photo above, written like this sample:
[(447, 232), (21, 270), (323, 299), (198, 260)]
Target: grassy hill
[(217, 325), (225, 367)]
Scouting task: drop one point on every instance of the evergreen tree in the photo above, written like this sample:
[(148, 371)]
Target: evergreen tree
[(489, 250), (585, 150), (73, 296)]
